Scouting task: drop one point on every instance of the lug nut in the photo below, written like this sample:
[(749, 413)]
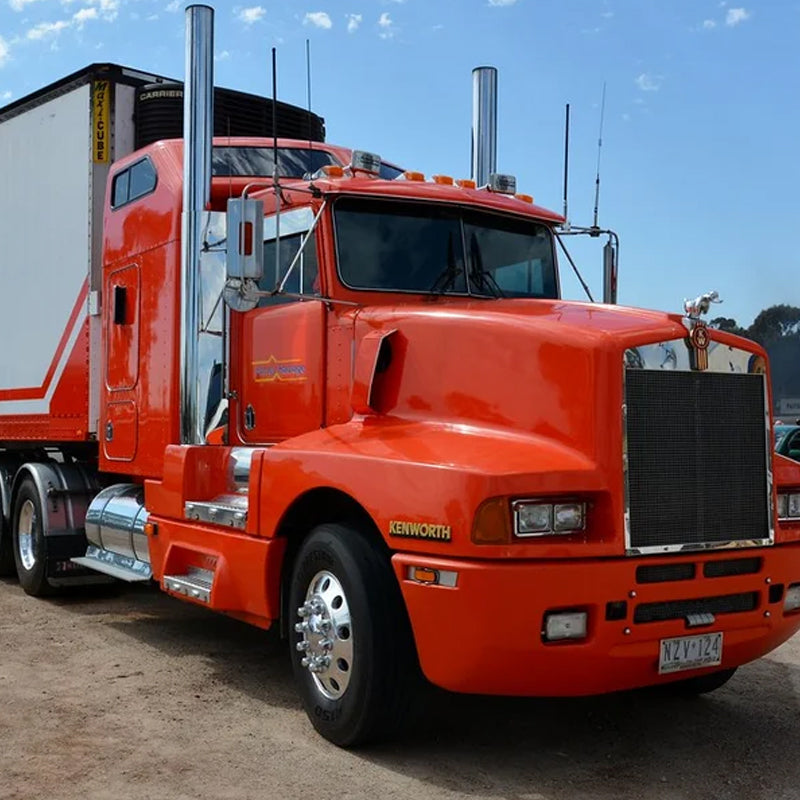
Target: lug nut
[(302, 646), (305, 663), (326, 644), (304, 610), (301, 627)]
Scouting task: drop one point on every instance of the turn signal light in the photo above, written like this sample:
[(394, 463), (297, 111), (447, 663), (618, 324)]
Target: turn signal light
[(492, 524)]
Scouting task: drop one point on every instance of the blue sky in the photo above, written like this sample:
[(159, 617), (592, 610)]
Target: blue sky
[(700, 174)]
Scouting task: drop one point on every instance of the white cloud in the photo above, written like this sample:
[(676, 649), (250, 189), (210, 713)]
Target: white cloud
[(223, 56), (3, 51), (502, 2), (80, 18), (107, 9), (607, 14), (353, 21), (649, 83), (251, 15), (735, 16), (708, 24), (386, 25), (19, 5), (173, 6), (151, 18), (319, 19), (45, 29)]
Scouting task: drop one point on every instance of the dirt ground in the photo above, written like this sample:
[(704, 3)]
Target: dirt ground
[(130, 694)]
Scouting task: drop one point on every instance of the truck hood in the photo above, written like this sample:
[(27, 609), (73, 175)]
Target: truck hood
[(538, 367)]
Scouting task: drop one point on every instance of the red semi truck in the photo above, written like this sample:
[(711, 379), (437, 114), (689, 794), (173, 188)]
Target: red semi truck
[(347, 400)]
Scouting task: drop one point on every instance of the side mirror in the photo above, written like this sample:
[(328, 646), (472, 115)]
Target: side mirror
[(609, 273), (245, 255)]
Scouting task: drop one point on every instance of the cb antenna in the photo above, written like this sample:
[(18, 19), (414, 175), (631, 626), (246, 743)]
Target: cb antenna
[(566, 163), (308, 96), (275, 172), (599, 150)]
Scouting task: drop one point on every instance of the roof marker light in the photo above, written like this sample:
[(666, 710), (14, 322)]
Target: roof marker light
[(328, 171), (443, 180), (412, 175), (466, 183), (526, 198), (362, 161), (502, 184)]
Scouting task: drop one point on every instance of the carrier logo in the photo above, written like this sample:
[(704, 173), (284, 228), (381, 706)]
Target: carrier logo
[(698, 346), (420, 530), (286, 370)]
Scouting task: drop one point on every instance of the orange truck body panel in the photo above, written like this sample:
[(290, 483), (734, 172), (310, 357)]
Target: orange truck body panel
[(484, 401)]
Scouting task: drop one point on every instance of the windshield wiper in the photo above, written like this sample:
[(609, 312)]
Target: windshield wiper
[(483, 278), (447, 277)]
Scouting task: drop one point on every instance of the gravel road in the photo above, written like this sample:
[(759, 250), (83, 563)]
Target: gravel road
[(130, 694)]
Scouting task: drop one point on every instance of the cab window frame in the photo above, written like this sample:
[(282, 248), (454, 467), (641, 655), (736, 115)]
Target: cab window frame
[(127, 174)]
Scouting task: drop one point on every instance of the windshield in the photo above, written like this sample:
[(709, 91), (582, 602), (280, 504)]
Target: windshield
[(438, 249)]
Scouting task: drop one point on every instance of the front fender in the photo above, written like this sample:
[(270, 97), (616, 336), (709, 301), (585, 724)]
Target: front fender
[(417, 472)]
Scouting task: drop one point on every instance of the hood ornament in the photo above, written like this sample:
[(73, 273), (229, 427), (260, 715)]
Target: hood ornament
[(698, 339)]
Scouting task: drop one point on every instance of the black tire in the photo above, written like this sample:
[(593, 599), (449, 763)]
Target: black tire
[(30, 544), (701, 684), (7, 566), (365, 694)]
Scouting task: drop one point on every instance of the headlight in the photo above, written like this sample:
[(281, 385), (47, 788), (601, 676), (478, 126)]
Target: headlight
[(789, 505), (534, 518)]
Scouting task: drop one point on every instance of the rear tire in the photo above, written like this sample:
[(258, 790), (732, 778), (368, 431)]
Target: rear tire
[(30, 544), (352, 649), (701, 684)]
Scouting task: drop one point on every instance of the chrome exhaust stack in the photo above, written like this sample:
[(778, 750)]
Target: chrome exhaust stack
[(484, 124), (198, 120)]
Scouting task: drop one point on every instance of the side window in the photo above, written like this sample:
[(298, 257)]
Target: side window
[(119, 192), (304, 277), (136, 181)]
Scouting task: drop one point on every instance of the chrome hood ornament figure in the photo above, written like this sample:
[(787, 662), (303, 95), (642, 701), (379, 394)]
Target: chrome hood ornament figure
[(698, 339)]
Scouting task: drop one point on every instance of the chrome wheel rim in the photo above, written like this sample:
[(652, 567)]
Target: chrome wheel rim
[(25, 545), (326, 635)]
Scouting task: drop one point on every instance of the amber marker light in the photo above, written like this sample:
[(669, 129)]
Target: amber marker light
[(465, 183), (526, 198), (332, 171), (412, 175), (492, 524), (443, 180)]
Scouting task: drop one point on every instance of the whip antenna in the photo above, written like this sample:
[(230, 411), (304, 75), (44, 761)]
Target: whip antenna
[(566, 162), (308, 96), (599, 149), (275, 182)]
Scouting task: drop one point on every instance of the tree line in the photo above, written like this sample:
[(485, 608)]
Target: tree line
[(777, 330)]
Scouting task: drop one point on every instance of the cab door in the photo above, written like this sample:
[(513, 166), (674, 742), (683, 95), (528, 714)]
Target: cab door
[(282, 346)]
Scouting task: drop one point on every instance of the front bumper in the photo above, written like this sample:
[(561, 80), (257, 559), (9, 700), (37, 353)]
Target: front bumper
[(484, 635)]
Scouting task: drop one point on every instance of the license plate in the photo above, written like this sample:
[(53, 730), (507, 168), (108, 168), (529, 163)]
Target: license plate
[(690, 652)]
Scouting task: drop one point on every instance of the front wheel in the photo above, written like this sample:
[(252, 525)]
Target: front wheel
[(352, 649), (30, 545)]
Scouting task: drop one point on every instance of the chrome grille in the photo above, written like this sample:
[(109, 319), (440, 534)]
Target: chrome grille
[(696, 446)]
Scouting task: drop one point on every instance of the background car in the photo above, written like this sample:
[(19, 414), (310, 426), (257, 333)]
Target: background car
[(787, 440)]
